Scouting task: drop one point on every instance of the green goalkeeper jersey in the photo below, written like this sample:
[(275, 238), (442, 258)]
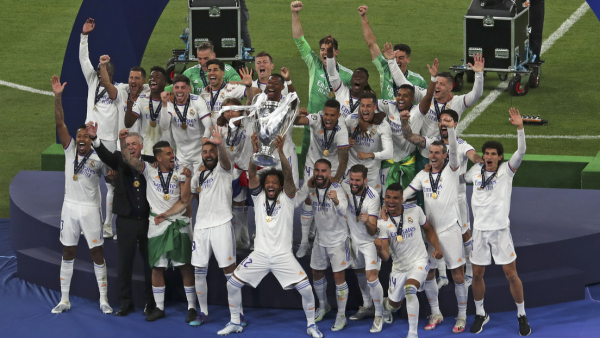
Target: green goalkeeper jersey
[(199, 80), (388, 87)]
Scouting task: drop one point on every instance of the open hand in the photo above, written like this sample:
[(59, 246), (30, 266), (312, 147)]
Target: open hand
[(217, 138), (433, 70), (246, 76), (515, 118), (388, 51), (479, 63), (91, 128), (57, 88)]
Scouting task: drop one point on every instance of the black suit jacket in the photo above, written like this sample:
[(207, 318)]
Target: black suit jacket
[(114, 160)]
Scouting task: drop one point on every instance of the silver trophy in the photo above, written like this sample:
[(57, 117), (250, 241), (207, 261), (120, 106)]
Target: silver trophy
[(273, 118)]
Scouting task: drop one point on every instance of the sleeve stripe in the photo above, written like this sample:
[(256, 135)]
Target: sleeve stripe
[(510, 167), (340, 86), (134, 113), (344, 146), (203, 117), (68, 144), (410, 186), (143, 169), (465, 102)]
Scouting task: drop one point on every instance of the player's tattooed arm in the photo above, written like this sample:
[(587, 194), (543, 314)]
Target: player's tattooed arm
[(302, 117), (59, 114), (288, 178), (343, 163), (253, 180), (383, 249), (131, 161), (407, 132)]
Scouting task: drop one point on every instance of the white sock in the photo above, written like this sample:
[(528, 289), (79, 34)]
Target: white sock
[(159, 296), (110, 193), (190, 294), (100, 271), (520, 309), (305, 221), (468, 247), (377, 295), (341, 292), (479, 310), (364, 289), (228, 276), (388, 306), (321, 291), (234, 296), (441, 267), (201, 288), (412, 307), (461, 292), (238, 216), (431, 291), (308, 301), (66, 273)]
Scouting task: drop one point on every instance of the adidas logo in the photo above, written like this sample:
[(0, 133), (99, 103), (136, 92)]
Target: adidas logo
[(391, 226), (460, 260), (420, 268), (426, 181), (301, 273), (343, 263), (373, 262), (229, 257), (231, 305), (411, 315), (512, 254), (95, 241), (341, 298)]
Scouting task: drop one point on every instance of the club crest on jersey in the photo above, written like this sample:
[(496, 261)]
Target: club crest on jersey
[(410, 220), (174, 178), (192, 112), (92, 164)]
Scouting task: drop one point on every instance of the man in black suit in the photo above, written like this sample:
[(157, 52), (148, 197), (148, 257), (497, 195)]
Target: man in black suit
[(132, 210)]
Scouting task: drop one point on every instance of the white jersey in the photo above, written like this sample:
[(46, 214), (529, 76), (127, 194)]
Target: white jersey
[(317, 141), (378, 141), (85, 190), (273, 237), (154, 191), (370, 206), (189, 140), (215, 98), (430, 126), (402, 147), (263, 87), (463, 149), (238, 142), (214, 197), (161, 132), (105, 111), (491, 205), (412, 248), (442, 211), (330, 219), (124, 93)]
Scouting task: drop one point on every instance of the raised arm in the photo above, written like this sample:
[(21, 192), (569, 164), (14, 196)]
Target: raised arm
[(471, 97), (253, 181), (59, 114), (165, 114), (340, 202), (397, 75), (296, 7), (131, 161), (105, 78), (426, 101), (474, 156), (452, 143), (332, 72), (285, 72), (130, 116), (288, 178), (516, 120), (106, 156), (368, 33), (407, 132), (342, 163), (217, 139), (84, 55)]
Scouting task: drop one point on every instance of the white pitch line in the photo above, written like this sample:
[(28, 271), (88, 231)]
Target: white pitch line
[(492, 96), (25, 88), (568, 137)]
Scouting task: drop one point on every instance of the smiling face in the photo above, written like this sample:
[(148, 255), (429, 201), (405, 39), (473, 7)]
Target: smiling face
[(181, 91), (166, 159), (357, 183), (274, 88), (323, 54), (322, 174), (210, 155), (157, 82), (358, 83), (203, 56), (134, 146), (404, 99), (263, 67), (83, 142), (491, 159), (402, 59), (330, 117), (443, 89), (437, 157), (272, 186), (366, 110), (215, 76), (136, 81), (229, 114), (393, 202), (444, 130)]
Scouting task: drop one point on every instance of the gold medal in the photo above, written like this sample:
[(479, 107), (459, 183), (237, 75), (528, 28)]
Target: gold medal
[(231, 148), (269, 218), (166, 197), (152, 124), (136, 183), (399, 238), (357, 218), (75, 177), (199, 189), (332, 94), (325, 152), (184, 126), (434, 195)]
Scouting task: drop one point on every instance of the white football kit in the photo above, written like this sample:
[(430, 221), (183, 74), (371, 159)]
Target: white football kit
[(263, 87), (316, 151), (214, 98), (151, 132)]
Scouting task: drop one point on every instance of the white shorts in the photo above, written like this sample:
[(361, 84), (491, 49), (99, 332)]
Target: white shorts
[(241, 197), (75, 219), (219, 240), (452, 248), (398, 279), (284, 267), (157, 230), (338, 257), (496, 243), (465, 218), (193, 166), (373, 178), (365, 256), (111, 145)]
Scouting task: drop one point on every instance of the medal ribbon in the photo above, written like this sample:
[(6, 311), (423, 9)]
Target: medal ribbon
[(270, 207), (434, 183), (229, 141), (202, 178), (99, 95), (322, 204), (396, 224), (328, 140), (203, 77), (153, 115), (352, 104), (183, 117), (438, 112), (485, 182), (214, 98), (163, 184), (362, 199), (78, 165)]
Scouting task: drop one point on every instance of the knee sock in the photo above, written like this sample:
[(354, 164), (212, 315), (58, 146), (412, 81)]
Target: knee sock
[(201, 288), (341, 292), (308, 301), (387, 306), (228, 276), (377, 295), (431, 291), (100, 271), (468, 246), (479, 310), (305, 220), (364, 289), (238, 215), (461, 292), (442, 268), (412, 307), (159, 296), (520, 309), (190, 295), (321, 291), (110, 193), (234, 296), (66, 273)]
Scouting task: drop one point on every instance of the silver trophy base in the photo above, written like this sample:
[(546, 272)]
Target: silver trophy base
[(263, 160)]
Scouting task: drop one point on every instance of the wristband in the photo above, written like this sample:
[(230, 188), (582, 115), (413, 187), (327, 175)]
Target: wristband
[(289, 83), (94, 138), (95, 142), (434, 79)]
